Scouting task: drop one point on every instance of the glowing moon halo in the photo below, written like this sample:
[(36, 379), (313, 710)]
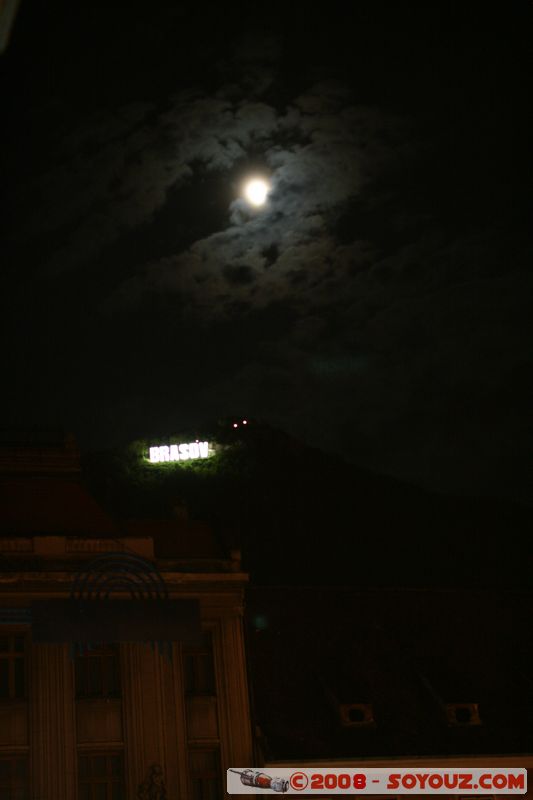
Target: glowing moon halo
[(256, 191)]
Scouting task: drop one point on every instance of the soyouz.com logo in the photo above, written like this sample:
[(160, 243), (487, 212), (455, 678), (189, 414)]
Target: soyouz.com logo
[(393, 780)]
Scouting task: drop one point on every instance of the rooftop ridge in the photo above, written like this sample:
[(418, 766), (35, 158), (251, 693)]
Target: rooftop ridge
[(36, 458)]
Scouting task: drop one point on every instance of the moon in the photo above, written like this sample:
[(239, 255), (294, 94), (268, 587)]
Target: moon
[(256, 191)]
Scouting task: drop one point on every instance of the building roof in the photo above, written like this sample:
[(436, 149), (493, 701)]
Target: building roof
[(177, 538), (409, 656), (42, 493), (50, 505)]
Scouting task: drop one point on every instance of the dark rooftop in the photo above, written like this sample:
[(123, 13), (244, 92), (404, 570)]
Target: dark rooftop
[(43, 493), (341, 673)]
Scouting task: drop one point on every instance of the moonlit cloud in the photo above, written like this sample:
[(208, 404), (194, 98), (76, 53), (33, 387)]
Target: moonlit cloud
[(311, 175), (345, 298), (119, 170)]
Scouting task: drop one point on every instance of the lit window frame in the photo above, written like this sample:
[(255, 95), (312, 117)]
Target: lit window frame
[(12, 655), (205, 776), (89, 659), (192, 657), (22, 780), (110, 780)]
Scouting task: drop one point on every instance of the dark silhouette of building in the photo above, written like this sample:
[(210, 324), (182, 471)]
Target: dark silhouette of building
[(348, 677)]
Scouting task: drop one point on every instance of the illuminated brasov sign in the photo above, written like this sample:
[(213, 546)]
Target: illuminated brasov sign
[(178, 452)]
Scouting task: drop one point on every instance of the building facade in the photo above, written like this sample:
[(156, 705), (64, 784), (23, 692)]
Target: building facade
[(95, 719)]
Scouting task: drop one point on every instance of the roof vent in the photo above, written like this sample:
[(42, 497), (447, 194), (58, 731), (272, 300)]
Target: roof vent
[(357, 715), (180, 510), (462, 714)]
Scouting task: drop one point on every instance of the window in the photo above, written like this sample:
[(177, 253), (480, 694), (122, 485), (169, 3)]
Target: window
[(357, 714), (204, 768), (14, 778), (98, 673), (12, 672), (463, 714), (198, 667), (101, 777)]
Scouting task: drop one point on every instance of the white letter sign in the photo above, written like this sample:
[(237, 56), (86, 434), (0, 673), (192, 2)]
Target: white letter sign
[(178, 452)]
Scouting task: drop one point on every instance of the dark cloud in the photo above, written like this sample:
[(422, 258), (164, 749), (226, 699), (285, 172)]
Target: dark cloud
[(238, 276), (376, 305)]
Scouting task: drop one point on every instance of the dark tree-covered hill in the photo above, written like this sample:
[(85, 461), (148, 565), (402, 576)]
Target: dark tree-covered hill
[(305, 517)]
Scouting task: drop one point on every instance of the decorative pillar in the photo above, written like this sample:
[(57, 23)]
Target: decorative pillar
[(234, 703), (53, 731), (132, 710), (153, 734)]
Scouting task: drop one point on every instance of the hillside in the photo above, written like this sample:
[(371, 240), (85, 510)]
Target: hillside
[(305, 517)]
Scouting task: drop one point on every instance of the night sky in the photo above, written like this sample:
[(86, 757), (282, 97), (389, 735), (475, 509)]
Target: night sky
[(377, 307)]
